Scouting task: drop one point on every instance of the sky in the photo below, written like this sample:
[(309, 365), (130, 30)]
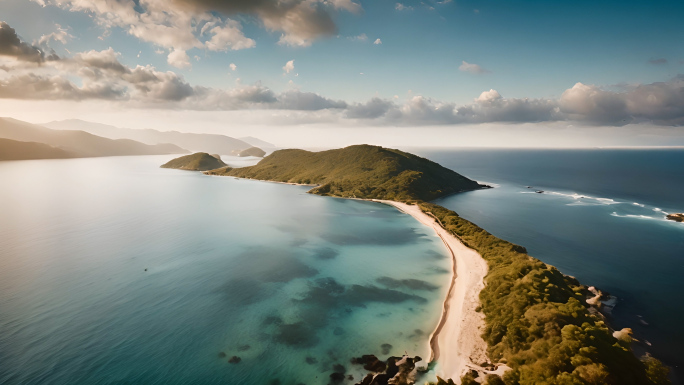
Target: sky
[(324, 72)]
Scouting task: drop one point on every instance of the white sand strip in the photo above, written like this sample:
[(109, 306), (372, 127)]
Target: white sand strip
[(456, 343)]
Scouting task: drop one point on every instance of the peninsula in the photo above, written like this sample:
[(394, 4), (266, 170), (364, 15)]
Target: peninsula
[(508, 317)]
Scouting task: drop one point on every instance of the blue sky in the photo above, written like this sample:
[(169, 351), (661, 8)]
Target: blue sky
[(522, 49), (532, 48)]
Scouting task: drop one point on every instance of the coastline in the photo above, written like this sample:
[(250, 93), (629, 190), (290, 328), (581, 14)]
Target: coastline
[(263, 180), (456, 343)]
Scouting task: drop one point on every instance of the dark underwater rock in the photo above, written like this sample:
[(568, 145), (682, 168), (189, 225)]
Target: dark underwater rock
[(336, 377), (311, 360)]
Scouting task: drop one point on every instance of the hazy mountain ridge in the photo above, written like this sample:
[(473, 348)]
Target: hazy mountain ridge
[(256, 142), (210, 143), (81, 143), (17, 150)]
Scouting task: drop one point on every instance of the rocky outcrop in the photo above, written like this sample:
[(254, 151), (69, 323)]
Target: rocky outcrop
[(679, 217), (396, 370)]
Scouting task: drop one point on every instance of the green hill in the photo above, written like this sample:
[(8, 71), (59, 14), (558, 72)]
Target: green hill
[(361, 171), (16, 150), (199, 161)]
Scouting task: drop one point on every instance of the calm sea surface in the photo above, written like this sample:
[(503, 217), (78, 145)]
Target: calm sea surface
[(601, 219), (114, 271)]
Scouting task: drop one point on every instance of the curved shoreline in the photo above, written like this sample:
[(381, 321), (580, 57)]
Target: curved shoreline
[(434, 343), (456, 343)]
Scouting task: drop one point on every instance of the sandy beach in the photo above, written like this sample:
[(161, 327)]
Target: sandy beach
[(456, 343)]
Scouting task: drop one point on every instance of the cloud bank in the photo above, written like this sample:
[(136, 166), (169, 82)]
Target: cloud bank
[(12, 46), (99, 75), (181, 25)]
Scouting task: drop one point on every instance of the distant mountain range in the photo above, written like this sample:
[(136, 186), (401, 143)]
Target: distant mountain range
[(16, 150), (73, 143), (209, 143)]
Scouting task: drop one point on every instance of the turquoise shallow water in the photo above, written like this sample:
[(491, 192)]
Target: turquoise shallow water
[(113, 271)]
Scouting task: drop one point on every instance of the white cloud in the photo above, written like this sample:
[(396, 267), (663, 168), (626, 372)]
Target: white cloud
[(661, 103), (377, 41), (179, 59), (362, 37), (182, 25), (289, 67), (488, 96), (228, 37), (100, 75), (61, 35), (472, 68), (402, 7)]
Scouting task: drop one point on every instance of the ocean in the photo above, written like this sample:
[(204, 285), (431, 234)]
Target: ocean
[(600, 218), (114, 271)]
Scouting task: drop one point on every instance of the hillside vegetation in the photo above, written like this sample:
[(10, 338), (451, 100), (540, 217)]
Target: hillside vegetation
[(538, 322), (16, 150), (361, 171), (200, 161)]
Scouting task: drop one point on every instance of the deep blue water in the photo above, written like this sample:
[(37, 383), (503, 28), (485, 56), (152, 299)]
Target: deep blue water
[(114, 271), (601, 219)]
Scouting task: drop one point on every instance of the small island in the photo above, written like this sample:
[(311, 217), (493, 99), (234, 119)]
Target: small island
[(200, 161), (252, 151), (679, 217), (508, 318)]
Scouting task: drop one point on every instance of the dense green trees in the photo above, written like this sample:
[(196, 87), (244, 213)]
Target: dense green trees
[(538, 322)]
